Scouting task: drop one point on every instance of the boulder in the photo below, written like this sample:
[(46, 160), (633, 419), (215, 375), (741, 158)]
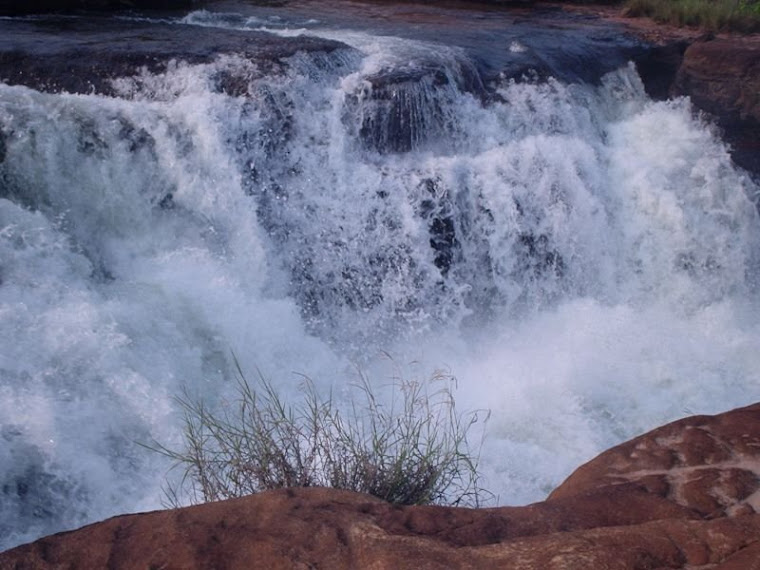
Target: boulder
[(682, 496)]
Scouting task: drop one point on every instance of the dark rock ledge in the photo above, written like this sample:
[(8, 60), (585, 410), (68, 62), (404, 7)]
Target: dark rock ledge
[(84, 55), (20, 7), (721, 74)]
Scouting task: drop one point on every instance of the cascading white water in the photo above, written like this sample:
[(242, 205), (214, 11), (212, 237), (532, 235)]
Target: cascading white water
[(583, 259)]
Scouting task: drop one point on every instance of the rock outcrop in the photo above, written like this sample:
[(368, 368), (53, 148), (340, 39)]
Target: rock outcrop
[(722, 77), (685, 495), (719, 73)]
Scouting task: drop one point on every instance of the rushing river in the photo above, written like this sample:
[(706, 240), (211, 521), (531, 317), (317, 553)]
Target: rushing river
[(582, 259)]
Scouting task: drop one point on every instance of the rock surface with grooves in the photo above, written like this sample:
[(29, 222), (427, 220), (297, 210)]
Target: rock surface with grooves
[(685, 495)]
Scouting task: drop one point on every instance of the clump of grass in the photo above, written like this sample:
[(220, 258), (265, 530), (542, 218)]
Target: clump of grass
[(412, 450), (710, 15)]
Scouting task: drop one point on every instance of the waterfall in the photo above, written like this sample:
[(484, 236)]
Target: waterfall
[(583, 259)]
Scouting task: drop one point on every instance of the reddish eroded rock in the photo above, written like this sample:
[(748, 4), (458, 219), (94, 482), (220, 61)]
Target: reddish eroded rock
[(722, 76), (681, 496), (707, 464)]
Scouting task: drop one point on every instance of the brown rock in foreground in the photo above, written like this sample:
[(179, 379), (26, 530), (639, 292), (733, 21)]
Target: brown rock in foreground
[(682, 496)]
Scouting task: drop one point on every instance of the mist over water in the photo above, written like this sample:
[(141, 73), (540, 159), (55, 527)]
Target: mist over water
[(584, 260)]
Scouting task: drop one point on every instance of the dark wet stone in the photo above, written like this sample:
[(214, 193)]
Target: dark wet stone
[(3, 147), (402, 109), (658, 66), (744, 141), (83, 55), (572, 48), (441, 225), (443, 240), (16, 8), (539, 258)]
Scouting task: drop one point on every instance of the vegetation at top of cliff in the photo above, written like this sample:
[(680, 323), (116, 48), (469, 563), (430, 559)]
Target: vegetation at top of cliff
[(412, 450), (711, 15)]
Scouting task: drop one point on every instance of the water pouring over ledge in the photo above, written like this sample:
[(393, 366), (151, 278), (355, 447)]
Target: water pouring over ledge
[(308, 190)]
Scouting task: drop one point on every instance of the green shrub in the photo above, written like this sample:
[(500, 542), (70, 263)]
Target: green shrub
[(413, 450), (712, 15)]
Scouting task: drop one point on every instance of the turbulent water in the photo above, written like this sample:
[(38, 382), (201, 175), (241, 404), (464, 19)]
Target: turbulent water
[(584, 260)]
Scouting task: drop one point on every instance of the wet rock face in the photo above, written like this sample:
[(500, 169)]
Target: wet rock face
[(658, 67), (401, 110), (3, 147), (15, 8), (722, 77), (682, 496), (57, 54)]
